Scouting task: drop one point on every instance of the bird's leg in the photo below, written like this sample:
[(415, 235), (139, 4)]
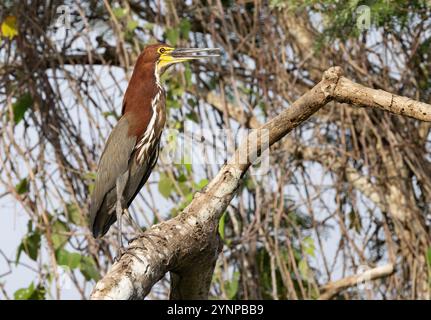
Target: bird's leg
[(132, 222), (120, 186), (147, 234), (120, 236)]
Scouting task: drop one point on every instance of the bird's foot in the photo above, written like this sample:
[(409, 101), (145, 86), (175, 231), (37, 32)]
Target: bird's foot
[(146, 234), (140, 234)]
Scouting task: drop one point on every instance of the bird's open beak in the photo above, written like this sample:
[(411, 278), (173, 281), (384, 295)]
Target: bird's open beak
[(184, 54), (173, 56)]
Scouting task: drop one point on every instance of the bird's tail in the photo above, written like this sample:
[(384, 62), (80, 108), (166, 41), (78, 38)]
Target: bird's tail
[(102, 222)]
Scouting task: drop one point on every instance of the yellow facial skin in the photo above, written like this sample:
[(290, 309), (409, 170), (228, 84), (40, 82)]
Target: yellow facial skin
[(167, 59)]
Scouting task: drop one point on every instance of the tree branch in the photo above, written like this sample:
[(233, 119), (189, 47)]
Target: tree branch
[(188, 245), (359, 95), (333, 288)]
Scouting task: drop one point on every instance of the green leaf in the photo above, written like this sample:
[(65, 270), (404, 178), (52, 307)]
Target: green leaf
[(182, 178), (30, 245), (193, 116), (88, 269), (21, 106), (185, 28), (59, 236), (174, 104), (38, 293), (202, 184), (22, 186), (29, 226), (221, 225), (308, 246), (132, 25), (24, 293), (185, 188), (119, 12), (172, 36), (30, 293), (165, 185), (74, 215), (177, 91), (188, 166), (191, 102), (188, 75), (69, 259), (232, 286)]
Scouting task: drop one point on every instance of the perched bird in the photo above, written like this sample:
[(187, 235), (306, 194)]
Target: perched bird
[(132, 148)]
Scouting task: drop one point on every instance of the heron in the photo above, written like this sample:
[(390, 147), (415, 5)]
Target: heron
[(132, 148)]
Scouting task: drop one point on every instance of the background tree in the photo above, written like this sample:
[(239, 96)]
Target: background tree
[(354, 189)]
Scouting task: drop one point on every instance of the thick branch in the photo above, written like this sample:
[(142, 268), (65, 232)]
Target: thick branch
[(188, 245), (358, 95)]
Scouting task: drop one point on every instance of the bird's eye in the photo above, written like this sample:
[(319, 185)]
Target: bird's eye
[(162, 50)]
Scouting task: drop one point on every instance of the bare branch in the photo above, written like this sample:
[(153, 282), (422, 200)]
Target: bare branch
[(333, 288), (359, 95)]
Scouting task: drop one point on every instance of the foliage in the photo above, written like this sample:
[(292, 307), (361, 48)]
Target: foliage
[(30, 293), (9, 27), (21, 106)]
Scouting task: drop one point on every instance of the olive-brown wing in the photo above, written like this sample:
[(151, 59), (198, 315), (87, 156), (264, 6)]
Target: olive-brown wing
[(113, 163)]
